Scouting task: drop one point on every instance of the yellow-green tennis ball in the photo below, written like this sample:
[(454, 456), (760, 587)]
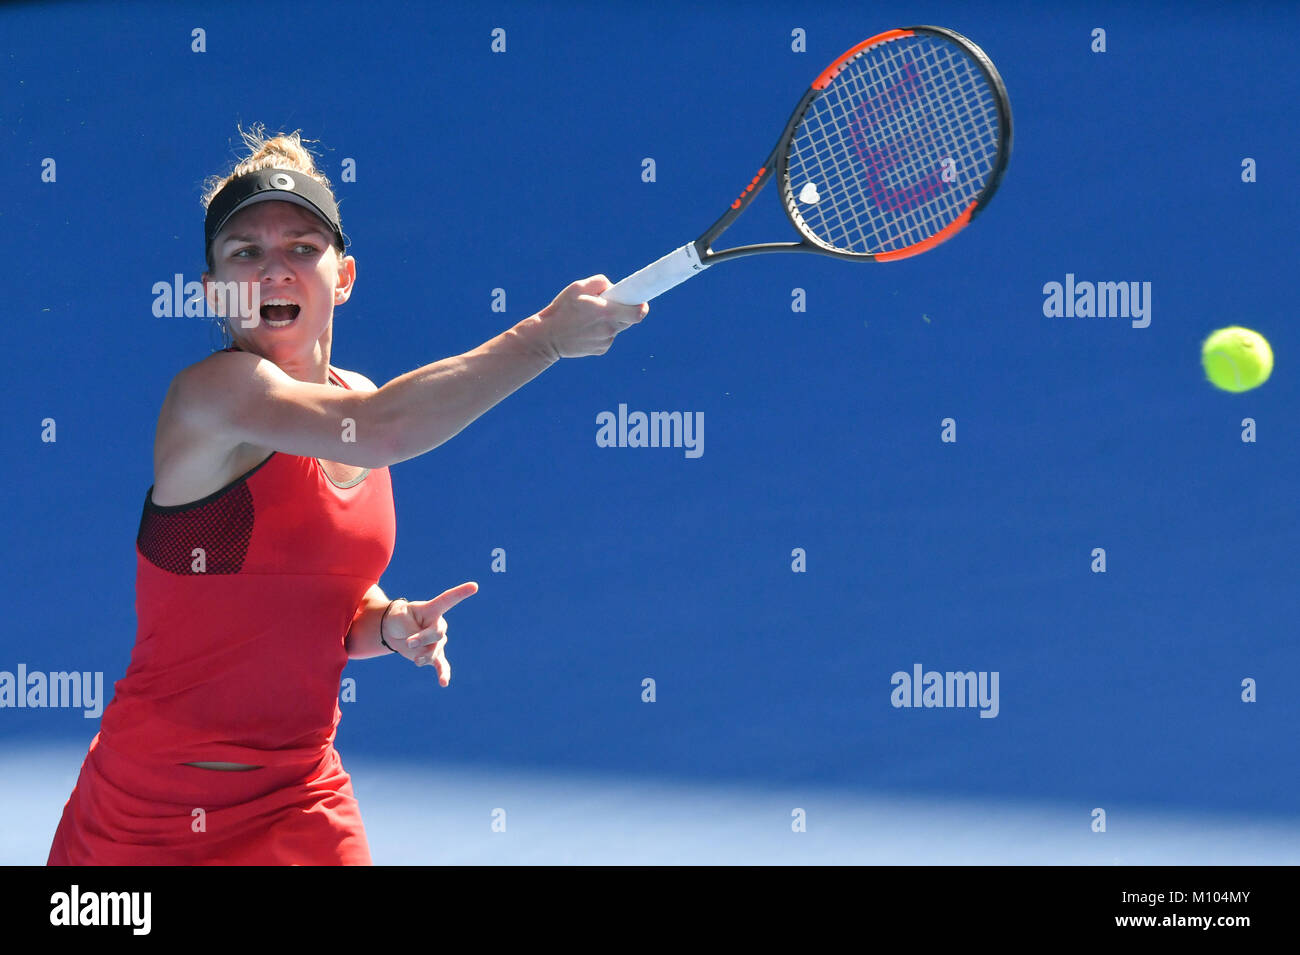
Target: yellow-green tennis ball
[(1237, 359)]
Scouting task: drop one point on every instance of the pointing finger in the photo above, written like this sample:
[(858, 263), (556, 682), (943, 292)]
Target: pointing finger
[(449, 598)]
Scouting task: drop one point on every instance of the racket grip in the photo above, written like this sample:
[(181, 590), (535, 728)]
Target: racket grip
[(657, 277)]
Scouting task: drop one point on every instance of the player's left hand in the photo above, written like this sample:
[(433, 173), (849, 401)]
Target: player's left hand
[(418, 630)]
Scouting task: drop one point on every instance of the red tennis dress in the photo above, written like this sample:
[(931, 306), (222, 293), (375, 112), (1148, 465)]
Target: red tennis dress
[(243, 601)]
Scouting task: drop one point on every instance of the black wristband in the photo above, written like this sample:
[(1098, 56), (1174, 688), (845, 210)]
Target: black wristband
[(381, 621)]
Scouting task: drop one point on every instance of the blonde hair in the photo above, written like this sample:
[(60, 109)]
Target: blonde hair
[(280, 151)]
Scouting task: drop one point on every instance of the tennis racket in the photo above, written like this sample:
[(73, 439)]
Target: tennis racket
[(895, 148)]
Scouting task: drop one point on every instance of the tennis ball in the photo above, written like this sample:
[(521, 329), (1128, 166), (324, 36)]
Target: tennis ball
[(1237, 359)]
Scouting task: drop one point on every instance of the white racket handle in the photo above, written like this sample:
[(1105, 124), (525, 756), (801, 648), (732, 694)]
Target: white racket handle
[(657, 277)]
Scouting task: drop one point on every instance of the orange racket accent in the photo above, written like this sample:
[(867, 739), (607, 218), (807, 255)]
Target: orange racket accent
[(917, 248), (833, 70), (748, 189)]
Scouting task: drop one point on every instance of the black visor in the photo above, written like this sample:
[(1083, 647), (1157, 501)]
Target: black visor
[(286, 185)]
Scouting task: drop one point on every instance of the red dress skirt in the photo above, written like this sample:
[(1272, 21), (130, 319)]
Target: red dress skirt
[(125, 811)]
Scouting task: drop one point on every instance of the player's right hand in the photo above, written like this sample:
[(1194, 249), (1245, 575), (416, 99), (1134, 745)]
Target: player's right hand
[(580, 323)]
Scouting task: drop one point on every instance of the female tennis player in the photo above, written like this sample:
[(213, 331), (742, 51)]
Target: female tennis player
[(263, 538)]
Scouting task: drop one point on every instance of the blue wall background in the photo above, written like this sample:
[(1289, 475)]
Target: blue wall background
[(521, 171)]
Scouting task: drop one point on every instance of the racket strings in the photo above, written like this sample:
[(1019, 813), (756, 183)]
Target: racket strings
[(897, 147)]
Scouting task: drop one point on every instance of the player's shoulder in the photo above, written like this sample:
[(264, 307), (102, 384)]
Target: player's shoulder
[(230, 372), (221, 362), (358, 381), (201, 392), (214, 374)]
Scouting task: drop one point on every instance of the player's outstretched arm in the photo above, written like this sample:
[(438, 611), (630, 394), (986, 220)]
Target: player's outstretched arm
[(428, 406)]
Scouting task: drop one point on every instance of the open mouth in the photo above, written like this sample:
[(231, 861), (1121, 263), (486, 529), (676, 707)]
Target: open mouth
[(279, 312)]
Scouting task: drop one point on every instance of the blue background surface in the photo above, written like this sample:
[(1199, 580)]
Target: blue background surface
[(522, 171)]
